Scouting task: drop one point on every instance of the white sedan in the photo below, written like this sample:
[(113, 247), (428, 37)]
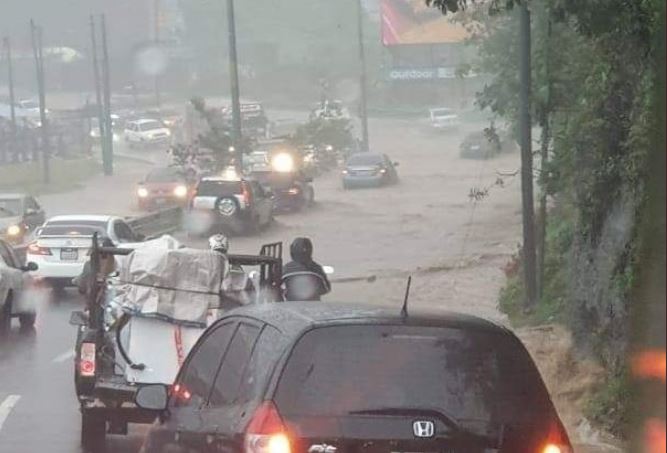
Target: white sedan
[(147, 132), (62, 245)]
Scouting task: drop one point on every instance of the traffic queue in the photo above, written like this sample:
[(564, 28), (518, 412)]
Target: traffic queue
[(237, 352)]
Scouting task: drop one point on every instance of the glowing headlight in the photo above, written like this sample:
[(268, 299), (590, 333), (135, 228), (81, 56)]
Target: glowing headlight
[(14, 230), (283, 163), (308, 158), (180, 191), (142, 192)]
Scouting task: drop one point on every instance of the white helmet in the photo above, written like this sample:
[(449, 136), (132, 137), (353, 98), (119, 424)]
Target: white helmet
[(218, 243)]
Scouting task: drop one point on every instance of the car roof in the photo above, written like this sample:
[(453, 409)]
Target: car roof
[(81, 218), (292, 318)]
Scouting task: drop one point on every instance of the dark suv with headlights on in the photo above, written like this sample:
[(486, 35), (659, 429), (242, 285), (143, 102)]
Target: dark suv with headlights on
[(292, 191), (302, 377), (164, 187), (369, 170), (234, 205)]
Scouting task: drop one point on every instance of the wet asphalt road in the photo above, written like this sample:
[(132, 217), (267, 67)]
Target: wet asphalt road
[(423, 223), (37, 381)]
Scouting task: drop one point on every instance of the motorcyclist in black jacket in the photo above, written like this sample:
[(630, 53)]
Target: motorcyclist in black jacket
[(303, 278)]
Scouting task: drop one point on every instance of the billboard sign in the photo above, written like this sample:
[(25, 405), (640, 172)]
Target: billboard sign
[(406, 22)]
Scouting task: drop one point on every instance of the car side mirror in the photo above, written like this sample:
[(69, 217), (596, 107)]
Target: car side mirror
[(153, 397), (78, 318), (30, 267)]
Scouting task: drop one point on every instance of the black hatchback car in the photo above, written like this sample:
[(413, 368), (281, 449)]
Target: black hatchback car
[(307, 377)]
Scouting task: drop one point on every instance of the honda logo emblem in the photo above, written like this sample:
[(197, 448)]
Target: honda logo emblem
[(423, 428)]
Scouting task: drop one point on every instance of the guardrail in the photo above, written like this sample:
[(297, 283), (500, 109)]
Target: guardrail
[(150, 225)]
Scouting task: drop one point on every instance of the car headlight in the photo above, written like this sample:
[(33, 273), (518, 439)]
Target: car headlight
[(283, 163), (14, 230), (142, 192), (180, 191)]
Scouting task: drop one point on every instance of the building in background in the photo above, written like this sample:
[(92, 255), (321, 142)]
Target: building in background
[(426, 59)]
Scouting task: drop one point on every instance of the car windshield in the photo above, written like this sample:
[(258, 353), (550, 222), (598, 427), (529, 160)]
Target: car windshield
[(164, 175), (29, 104), (467, 375), (150, 126), (437, 113), (213, 188), (9, 207), (365, 159)]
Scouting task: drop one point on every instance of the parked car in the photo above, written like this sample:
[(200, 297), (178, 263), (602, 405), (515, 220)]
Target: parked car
[(308, 377), (369, 170), (19, 215), (62, 244), (444, 118), (232, 203), (13, 282), (164, 187), (146, 132)]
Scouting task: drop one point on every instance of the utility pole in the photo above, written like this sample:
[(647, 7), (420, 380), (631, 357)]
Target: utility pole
[(544, 160), (363, 113), (237, 137), (36, 35), (98, 92), (12, 101), (529, 260), (108, 161), (156, 36)]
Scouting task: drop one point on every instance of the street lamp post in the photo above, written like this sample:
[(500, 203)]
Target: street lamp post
[(234, 81), (362, 79)]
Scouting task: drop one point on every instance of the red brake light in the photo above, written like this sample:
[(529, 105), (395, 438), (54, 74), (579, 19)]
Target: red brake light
[(266, 432), (557, 441), (87, 360), (180, 393), (35, 249)]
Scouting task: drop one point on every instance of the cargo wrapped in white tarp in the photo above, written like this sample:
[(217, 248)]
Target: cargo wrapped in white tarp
[(177, 286)]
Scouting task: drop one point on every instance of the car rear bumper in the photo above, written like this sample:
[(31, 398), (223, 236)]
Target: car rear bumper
[(284, 201), (363, 181), (58, 270)]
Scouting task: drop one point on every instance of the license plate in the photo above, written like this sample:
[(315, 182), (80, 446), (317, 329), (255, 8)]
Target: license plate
[(69, 254), (160, 201)]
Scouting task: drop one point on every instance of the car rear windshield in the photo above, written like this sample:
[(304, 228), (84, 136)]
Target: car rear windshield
[(150, 125), (164, 175), (365, 159), (218, 188), (470, 376), (73, 229)]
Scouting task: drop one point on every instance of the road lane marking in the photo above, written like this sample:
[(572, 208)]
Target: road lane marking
[(64, 356), (6, 407)]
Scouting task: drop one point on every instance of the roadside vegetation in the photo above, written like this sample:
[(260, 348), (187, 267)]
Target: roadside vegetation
[(66, 175), (595, 77)]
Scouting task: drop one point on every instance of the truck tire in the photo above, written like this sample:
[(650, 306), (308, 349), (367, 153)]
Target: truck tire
[(27, 320), (6, 316), (93, 432)]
